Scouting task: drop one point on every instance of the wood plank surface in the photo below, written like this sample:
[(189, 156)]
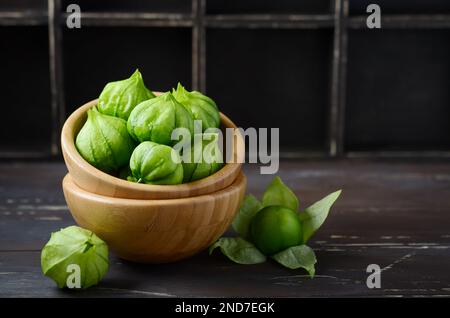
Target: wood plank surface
[(393, 214)]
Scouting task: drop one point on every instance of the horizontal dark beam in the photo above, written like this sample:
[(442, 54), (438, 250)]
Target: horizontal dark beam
[(398, 154), (303, 154), (17, 18), (415, 21), (412, 21), (273, 21), (269, 21), (5, 155), (134, 19)]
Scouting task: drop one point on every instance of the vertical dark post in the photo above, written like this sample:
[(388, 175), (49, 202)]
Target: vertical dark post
[(198, 45), (338, 79), (56, 71)]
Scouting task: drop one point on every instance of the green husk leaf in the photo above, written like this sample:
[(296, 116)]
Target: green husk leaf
[(277, 193), (239, 250), (248, 209), (314, 216), (295, 257)]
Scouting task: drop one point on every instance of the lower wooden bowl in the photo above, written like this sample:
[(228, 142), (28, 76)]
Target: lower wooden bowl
[(155, 231)]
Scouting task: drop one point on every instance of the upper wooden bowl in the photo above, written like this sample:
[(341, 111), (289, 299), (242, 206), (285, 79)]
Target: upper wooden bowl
[(93, 180), (155, 231)]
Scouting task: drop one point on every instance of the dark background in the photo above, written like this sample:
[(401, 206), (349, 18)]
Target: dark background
[(337, 90), (334, 87)]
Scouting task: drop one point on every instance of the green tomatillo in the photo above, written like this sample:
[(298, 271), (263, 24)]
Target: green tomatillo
[(153, 163), (155, 120), (119, 98), (104, 142), (205, 158), (202, 107), (75, 257), (275, 228)]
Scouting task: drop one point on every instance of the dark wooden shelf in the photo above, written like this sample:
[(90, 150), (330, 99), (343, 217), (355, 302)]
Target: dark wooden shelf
[(399, 154), (340, 17), (23, 18), (404, 21), (272, 21), (141, 19)]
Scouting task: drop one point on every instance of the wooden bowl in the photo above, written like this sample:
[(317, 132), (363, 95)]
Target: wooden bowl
[(155, 231), (93, 180)]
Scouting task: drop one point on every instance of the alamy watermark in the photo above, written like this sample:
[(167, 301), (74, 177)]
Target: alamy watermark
[(73, 20), (374, 279), (373, 21), (73, 280), (232, 143)]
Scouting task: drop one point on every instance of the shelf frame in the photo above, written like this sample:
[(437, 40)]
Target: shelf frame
[(338, 19)]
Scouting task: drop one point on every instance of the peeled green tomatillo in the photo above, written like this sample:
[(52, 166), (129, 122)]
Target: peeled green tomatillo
[(104, 142), (204, 160), (153, 163), (155, 119), (275, 228), (75, 258), (119, 98), (202, 107)]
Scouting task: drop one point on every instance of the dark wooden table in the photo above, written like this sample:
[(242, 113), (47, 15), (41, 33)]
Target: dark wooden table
[(396, 215)]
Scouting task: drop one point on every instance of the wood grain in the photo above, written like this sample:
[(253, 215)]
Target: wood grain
[(395, 214), (155, 231), (93, 180)]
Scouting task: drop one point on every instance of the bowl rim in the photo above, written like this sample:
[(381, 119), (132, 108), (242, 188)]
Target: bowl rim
[(68, 148), (70, 185)]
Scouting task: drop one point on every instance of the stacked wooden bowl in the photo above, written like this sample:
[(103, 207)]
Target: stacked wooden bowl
[(150, 223)]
